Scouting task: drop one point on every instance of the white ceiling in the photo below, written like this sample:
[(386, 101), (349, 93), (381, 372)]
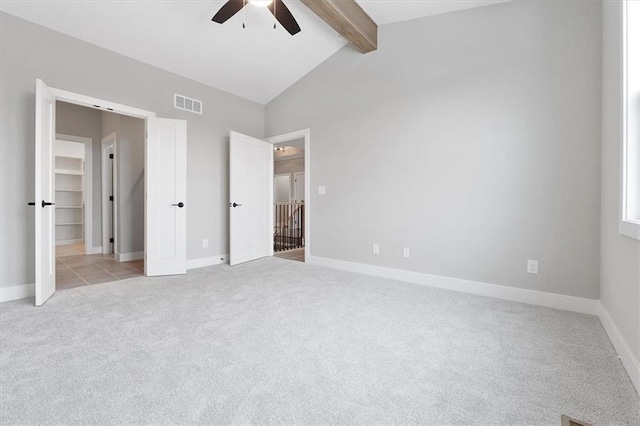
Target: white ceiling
[(256, 63), (388, 11)]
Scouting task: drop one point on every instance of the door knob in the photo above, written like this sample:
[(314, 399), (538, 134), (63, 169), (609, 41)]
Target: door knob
[(235, 205), (180, 204), (32, 203), (44, 204)]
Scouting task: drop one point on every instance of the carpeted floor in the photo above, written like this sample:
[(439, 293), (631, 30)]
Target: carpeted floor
[(275, 341)]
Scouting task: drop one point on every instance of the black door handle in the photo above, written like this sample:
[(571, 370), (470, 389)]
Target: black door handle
[(44, 203), (180, 204), (235, 205)]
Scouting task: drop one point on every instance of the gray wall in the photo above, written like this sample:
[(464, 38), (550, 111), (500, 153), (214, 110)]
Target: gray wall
[(29, 52), (295, 165), (289, 166), (620, 255), (76, 120), (471, 137), (130, 194)]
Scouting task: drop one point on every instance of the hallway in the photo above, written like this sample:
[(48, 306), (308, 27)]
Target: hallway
[(294, 254)]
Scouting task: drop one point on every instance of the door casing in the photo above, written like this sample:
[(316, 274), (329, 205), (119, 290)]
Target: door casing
[(286, 137), (105, 105)]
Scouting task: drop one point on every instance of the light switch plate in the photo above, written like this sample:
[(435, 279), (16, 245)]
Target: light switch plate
[(322, 190)]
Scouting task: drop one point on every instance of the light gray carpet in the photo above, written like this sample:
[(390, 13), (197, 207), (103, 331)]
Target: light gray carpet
[(275, 341)]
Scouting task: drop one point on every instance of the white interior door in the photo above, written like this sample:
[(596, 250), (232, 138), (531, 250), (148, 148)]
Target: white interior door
[(298, 182), (108, 198), (250, 192), (166, 197), (111, 209), (45, 255)]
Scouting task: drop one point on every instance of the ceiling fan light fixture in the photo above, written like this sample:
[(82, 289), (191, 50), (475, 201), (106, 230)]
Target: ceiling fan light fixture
[(261, 3), (278, 9)]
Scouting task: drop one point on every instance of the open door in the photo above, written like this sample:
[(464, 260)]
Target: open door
[(166, 197), (250, 192), (45, 255)]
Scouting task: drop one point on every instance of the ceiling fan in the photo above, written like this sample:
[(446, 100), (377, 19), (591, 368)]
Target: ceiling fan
[(276, 7)]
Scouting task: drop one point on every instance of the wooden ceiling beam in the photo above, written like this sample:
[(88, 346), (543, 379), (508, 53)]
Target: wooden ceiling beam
[(348, 19)]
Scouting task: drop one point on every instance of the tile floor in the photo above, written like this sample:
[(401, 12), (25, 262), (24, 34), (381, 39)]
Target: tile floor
[(80, 270)]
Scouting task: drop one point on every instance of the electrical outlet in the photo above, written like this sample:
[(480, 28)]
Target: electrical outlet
[(406, 253), (376, 249), (205, 243), (322, 190), (532, 266)]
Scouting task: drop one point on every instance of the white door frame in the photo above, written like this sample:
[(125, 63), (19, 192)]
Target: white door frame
[(104, 105), (306, 134), (109, 141), (101, 104), (87, 189)]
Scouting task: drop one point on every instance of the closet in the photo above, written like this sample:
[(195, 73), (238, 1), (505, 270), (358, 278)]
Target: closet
[(70, 192)]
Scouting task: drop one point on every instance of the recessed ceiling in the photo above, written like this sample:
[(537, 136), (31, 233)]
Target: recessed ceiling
[(257, 63)]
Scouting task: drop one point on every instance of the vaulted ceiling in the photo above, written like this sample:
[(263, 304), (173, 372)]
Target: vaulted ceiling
[(256, 63)]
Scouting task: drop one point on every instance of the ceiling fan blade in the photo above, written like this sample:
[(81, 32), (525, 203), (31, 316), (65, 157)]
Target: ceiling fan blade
[(229, 9), (284, 16)]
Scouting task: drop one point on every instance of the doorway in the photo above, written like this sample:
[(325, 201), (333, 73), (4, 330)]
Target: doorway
[(164, 232), (73, 183), (289, 200), (78, 262), (292, 155), (251, 195)]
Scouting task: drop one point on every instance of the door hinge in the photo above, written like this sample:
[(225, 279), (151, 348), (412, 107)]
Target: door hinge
[(111, 240), (110, 197), (111, 156)]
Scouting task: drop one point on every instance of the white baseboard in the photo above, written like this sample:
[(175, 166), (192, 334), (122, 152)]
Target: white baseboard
[(17, 292), (94, 250), (532, 297), (207, 261), (625, 353), (126, 257), (68, 242)]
